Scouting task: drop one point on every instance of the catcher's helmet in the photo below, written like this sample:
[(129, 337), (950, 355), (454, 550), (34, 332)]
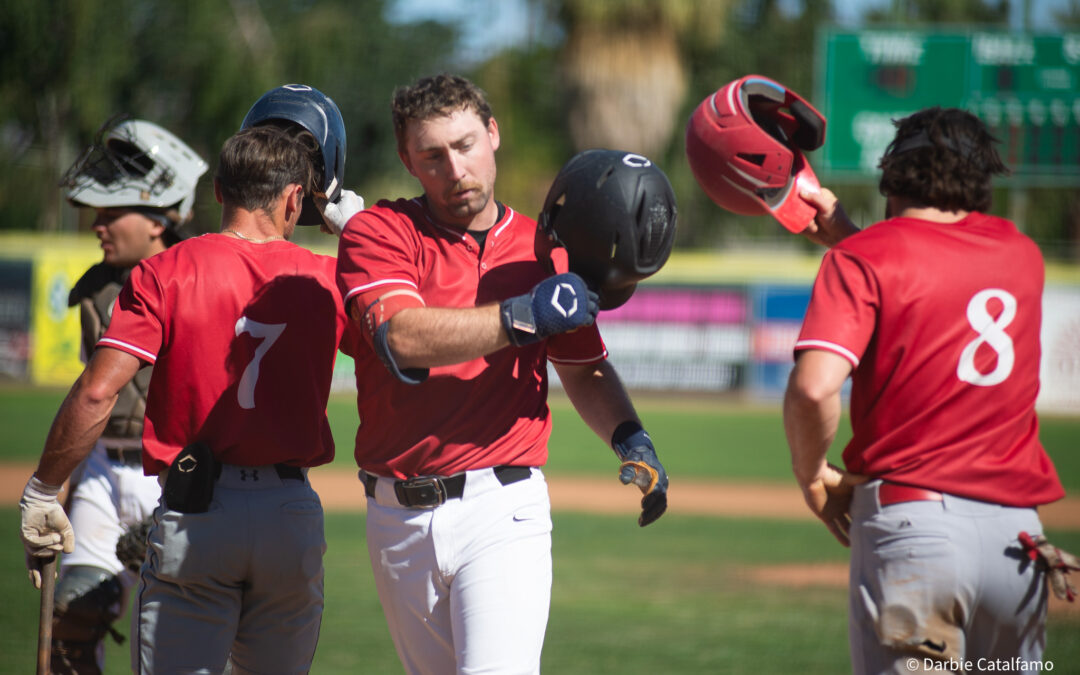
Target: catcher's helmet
[(744, 144), (316, 112), (137, 164), (614, 213)]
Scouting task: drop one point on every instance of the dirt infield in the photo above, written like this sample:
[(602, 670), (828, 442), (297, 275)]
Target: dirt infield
[(340, 491)]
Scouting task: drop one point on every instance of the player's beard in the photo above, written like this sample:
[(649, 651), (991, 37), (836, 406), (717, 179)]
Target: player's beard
[(473, 204)]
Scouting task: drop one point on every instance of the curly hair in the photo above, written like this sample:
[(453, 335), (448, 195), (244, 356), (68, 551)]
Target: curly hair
[(943, 158), (440, 94), (257, 163)]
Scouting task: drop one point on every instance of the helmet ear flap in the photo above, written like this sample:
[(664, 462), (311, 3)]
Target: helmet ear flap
[(810, 132)]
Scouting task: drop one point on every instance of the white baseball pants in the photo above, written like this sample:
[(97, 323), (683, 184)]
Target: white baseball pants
[(465, 586)]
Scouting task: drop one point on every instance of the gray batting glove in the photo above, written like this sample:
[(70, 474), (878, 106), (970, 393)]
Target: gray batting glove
[(337, 214), (641, 467), (45, 529)]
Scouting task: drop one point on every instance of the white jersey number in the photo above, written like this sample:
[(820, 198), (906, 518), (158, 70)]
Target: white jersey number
[(992, 333), (270, 332)]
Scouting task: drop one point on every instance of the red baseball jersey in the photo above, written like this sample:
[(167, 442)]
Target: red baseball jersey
[(941, 324), (243, 338), (485, 412)]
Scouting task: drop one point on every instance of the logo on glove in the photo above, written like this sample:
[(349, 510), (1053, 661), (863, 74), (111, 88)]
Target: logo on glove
[(558, 305)]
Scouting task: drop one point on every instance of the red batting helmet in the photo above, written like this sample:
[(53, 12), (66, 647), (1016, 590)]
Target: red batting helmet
[(744, 144)]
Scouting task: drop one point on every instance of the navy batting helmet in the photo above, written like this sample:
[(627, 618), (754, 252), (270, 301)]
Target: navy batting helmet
[(614, 213), (316, 112)]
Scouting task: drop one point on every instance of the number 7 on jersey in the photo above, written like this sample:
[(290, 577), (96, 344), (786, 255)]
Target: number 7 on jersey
[(269, 332)]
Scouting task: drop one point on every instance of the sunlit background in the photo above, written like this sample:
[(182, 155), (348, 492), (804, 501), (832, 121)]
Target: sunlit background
[(562, 75)]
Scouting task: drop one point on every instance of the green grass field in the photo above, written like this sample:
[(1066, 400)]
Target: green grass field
[(672, 598)]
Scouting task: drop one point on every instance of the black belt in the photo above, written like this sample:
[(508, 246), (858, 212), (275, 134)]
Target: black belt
[(129, 456), (429, 491), (287, 472)]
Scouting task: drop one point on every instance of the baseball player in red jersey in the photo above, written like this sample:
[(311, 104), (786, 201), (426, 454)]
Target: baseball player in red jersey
[(137, 215), (242, 328), (935, 314), (454, 422)]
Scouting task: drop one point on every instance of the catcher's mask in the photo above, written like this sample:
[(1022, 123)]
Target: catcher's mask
[(136, 164), (744, 144), (316, 112), (614, 213)]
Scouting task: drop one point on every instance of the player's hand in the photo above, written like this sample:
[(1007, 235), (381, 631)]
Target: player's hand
[(558, 304), (336, 214), (641, 467), (831, 224), (45, 528), (829, 496)]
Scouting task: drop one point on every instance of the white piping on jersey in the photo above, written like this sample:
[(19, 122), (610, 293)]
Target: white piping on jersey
[(402, 291), (127, 346), (381, 282), (829, 346), (574, 362), (510, 217)]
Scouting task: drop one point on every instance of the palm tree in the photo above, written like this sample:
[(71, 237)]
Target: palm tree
[(624, 70)]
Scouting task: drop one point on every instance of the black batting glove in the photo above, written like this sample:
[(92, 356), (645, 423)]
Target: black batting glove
[(558, 304), (641, 467)]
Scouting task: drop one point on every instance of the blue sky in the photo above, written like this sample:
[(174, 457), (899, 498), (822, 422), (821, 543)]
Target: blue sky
[(491, 24)]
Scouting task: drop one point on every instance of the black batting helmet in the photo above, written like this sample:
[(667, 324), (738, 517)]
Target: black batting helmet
[(316, 112), (614, 213)]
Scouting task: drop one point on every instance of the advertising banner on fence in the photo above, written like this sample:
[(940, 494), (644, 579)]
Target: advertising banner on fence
[(54, 349)]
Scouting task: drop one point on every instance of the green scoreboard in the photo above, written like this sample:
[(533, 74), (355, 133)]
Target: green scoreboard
[(1025, 86)]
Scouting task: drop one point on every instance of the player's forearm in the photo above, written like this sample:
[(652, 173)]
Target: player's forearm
[(427, 337), (77, 426), (810, 424), (598, 395)]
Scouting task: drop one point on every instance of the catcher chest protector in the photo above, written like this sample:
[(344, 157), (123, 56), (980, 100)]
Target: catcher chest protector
[(744, 144), (316, 112), (614, 212)]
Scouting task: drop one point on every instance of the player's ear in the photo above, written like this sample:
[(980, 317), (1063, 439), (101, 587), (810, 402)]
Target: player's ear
[(217, 191), (294, 201), (157, 229), (493, 133), (404, 157)]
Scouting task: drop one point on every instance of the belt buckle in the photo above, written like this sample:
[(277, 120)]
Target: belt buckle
[(422, 491)]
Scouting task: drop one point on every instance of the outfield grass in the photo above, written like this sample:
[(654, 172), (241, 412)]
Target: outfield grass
[(695, 437)]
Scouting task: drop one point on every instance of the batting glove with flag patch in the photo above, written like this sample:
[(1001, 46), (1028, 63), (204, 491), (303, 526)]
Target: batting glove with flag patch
[(558, 304), (641, 467), (45, 529)]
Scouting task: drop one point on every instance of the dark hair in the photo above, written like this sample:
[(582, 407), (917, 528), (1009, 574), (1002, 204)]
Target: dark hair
[(441, 94), (257, 163), (943, 158)]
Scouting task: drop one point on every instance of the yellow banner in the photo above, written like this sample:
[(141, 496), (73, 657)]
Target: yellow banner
[(54, 327)]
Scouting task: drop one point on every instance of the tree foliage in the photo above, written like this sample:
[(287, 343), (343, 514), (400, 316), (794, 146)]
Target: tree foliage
[(195, 67)]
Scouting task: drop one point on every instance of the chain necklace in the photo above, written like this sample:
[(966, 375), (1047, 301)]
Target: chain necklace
[(252, 239)]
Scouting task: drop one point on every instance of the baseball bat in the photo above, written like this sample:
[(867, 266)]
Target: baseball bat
[(48, 588)]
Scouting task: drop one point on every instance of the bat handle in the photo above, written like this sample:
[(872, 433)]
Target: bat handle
[(48, 587)]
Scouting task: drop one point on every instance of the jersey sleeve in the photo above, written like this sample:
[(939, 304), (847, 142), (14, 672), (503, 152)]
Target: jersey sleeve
[(377, 267), (843, 307), (136, 326), (377, 254), (579, 347)]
